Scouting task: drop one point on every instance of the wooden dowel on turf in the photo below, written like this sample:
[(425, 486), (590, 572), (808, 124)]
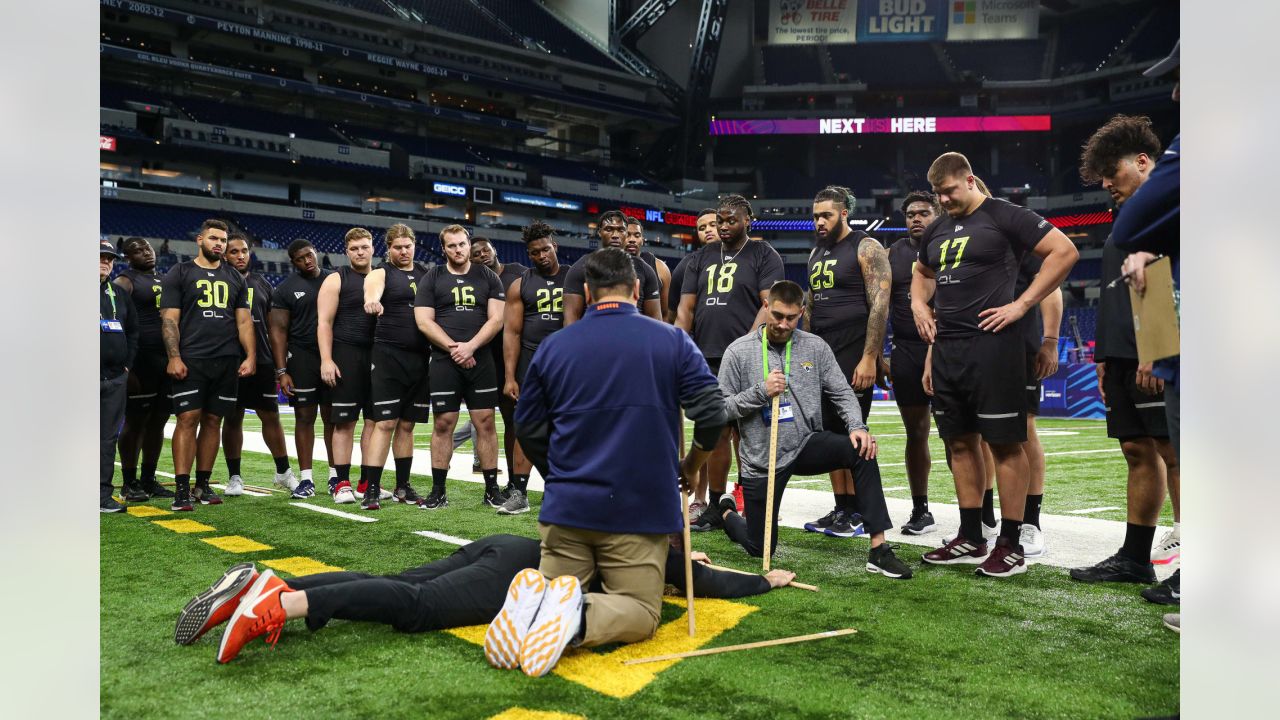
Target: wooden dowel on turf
[(793, 583), (744, 646), (688, 560), (768, 491)]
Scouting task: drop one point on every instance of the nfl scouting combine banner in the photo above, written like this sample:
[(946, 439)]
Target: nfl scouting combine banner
[(901, 20), (809, 22), (992, 20), (898, 125)]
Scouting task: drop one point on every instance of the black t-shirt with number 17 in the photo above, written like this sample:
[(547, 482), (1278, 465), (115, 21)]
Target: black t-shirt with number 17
[(208, 300), (461, 302), (975, 260)]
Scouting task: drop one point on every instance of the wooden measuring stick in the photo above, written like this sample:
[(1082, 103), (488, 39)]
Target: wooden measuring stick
[(744, 646), (768, 493), (793, 583), (688, 560)]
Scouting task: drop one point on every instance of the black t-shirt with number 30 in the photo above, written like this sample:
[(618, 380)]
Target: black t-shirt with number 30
[(461, 302), (975, 260), (208, 300)]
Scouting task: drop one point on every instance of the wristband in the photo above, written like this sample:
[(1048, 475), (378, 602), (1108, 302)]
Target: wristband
[(281, 371)]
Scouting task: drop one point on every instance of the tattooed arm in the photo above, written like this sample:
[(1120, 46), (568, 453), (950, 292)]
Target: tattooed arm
[(169, 331), (878, 278)]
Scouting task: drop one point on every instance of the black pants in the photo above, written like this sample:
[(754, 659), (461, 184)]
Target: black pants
[(111, 415), (822, 453), (465, 588)]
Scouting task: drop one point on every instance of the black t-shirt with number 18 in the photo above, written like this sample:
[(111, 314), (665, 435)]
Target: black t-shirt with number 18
[(208, 300), (728, 286), (461, 302), (975, 260)]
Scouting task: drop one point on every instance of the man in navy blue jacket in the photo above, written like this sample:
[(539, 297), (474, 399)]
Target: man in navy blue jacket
[(599, 416)]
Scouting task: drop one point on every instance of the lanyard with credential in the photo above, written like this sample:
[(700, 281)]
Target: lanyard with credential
[(111, 294), (764, 354)]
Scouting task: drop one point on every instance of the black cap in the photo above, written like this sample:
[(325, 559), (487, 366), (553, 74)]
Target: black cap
[(1165, 65), (108, 249)]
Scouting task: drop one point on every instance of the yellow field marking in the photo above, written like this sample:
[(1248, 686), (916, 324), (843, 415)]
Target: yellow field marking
[(183, 526), (236, 544), (300, 566), (519, 713), (605, 673), (146, 511)]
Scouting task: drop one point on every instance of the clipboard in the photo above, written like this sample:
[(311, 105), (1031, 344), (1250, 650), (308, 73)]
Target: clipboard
[(1155, 319)]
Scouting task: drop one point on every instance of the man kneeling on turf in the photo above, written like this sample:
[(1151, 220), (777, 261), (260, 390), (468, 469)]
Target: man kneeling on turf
[(465, 588), (777, 359)]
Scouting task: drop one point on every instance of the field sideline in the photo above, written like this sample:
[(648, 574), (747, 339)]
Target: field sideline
[(941, 645)]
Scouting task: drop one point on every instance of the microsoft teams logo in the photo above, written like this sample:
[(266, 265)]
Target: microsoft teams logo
[(964, 12)]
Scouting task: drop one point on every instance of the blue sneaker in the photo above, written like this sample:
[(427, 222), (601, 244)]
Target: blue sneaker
[(305, 489), (846, 524)]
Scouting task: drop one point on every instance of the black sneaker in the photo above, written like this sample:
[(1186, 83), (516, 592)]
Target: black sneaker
[(405, 494), (205, 494), (847, 524), (505, 492), (372, 494), (1168, 592), (1116, 568), (110, 506), (882, 560), (475, 467), (493, 497), (435, 500), (156, 490), (134, 493), (920, 523), (182, 502), (823, 522), (712, 517)]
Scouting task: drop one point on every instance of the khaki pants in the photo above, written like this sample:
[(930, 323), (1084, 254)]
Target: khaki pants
[(631, 570)]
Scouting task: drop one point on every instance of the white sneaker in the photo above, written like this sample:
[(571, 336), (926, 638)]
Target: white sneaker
[(235, 486), (286, 480), (343, 494), (505, 635), (555, 626), (1032, 541), (989, 533), (1169, 548)]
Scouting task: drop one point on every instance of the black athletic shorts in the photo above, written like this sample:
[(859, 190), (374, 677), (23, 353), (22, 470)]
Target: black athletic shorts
[(450, 384), (847, 347), (258, 391), (979, 386), (149, 371), (352, 394), (522, 365), (399, 384), (906, 372), (304, 369), (1033, 386), (1131, 413), (211, 385)]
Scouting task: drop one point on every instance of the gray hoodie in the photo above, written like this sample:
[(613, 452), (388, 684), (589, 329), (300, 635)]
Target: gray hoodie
[(814, 373)]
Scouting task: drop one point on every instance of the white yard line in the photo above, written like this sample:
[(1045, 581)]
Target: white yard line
[(1088, 511), (335, 513), (442, 537)]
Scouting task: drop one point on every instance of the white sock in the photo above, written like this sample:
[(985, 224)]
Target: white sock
[(332, 473), (1177, 530), (306, 474)]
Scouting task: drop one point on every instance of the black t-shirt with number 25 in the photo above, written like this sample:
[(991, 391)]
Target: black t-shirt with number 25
[(208, 300), (975, 260)]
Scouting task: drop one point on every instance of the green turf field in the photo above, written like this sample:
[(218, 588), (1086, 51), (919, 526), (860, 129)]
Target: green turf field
[(945, 644)]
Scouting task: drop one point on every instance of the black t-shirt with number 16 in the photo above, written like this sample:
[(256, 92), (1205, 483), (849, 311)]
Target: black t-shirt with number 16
[(975, 260), (208, 300), (461, 302)]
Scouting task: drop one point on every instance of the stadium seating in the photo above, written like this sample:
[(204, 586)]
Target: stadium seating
[(889, 65), (998, 59), (1087, 39), (376, 7), (1155, 39), (791, 65)]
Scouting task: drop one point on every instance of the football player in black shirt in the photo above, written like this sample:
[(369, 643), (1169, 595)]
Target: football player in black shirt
[(722, 299), (399, 376), (849, 284), (1121, 155), (147, 407), (459, 308), (344, 333), (612, 228), (705, 234), (207, 329), (967, 265), (907, 360), (633, 243), (257, 391), (535, 309), (297, 357)]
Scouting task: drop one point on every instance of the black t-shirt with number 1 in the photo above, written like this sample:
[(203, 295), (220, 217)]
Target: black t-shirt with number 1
[(208, 300), (259, 308), (728, 286), (975, 260), (461, 302)]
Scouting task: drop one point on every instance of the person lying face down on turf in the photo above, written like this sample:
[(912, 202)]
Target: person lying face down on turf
[(465, 588), (779, 360)]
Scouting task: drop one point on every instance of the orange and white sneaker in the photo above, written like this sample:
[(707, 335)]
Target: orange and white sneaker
[(259, 613), (555, 626), (214, 606), (505, 635)]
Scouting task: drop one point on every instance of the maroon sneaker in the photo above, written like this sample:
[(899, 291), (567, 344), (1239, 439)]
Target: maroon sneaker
[(1006, 560), (960, 551)]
